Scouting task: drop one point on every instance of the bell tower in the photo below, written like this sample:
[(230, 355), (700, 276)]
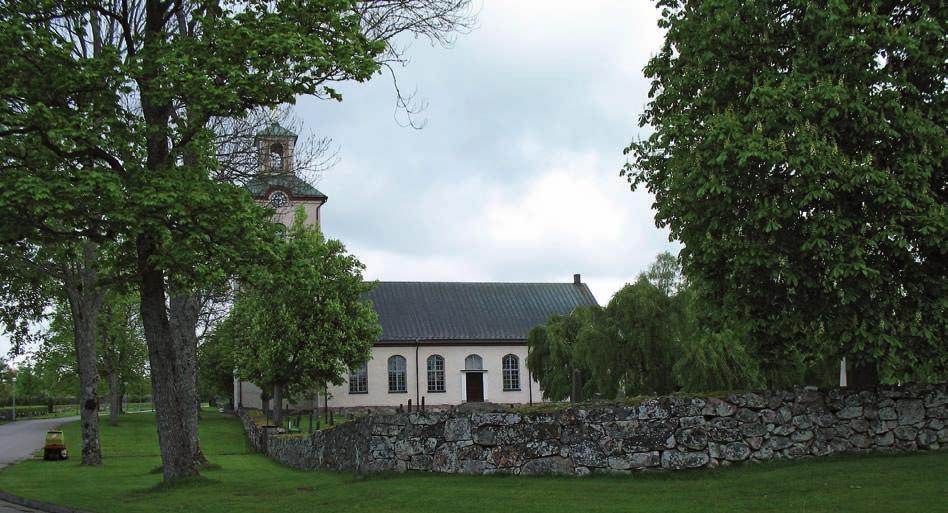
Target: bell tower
[(276, 184), (275, 146)]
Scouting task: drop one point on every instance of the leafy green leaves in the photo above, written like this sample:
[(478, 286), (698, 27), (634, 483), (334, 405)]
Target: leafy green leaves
[(798, 153), (302, 321)]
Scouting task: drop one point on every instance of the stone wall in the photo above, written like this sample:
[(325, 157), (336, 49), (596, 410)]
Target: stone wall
[(667, 432)]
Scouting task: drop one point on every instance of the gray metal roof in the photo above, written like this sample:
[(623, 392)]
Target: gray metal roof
[(459, 311), (297, 187)]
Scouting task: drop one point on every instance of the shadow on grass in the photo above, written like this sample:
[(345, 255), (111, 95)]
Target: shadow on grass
[(186, 483), (734, 470)]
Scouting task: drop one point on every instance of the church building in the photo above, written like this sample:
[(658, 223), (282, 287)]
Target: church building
[(444, 343)]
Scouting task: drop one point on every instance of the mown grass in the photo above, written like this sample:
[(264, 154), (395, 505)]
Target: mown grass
[(241, 481)]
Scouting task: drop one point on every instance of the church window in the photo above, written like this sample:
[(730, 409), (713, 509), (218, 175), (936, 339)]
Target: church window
[(359, 380), (435, 373), (276, 156), (473, 362), (511, 372), (397, 381)]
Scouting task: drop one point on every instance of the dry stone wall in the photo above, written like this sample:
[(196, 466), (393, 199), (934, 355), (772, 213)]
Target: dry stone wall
[(667, 432)]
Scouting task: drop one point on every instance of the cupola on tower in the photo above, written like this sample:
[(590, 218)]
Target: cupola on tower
[(276, 184)]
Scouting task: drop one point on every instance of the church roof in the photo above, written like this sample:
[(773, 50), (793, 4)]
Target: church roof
[(297, 187), (459, 311), (274, 129)]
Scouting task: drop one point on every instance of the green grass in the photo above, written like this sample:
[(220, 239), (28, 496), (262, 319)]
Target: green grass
[(240, 481)]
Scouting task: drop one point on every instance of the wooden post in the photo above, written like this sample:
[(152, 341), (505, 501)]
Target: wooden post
[(422, 403), (326, 391), (576, 394), (409, 406)]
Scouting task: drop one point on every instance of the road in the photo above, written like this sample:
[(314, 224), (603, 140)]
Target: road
[(19, 440)]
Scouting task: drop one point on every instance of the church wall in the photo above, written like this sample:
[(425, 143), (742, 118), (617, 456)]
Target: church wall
[(454, 393), (454, 356), (285, 214)]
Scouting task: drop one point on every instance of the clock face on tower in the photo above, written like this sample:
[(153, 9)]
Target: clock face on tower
[(279, 199)]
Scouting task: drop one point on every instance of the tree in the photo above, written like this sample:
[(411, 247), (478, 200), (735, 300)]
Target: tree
[(643, 333), (665, 274), (649, 340), (553, 358), (55, 359), (36, 275), (304, 321), (216, 367), (798, 154), (122, 354), (120, 350), (106, 107)]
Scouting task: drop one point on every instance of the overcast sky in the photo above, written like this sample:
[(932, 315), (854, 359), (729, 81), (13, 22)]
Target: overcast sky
[(515, 176)]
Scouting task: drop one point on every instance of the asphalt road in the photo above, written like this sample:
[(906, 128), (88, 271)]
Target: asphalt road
[(19, 440)]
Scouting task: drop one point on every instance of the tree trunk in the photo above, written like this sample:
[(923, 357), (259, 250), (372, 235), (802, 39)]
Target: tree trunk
[(85, 297), (115, 398), (172, 386), (277, 405), (184, 312)]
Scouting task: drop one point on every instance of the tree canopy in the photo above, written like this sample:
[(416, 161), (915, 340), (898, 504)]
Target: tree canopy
[(649, 339), (302, 322), (106, 116), (798, 154)]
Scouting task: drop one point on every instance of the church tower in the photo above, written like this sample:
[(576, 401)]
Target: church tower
[(276, 184)]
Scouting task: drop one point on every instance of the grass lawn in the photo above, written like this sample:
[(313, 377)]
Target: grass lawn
[(241, 481)]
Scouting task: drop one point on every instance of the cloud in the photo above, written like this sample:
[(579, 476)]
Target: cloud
[(514, 177)]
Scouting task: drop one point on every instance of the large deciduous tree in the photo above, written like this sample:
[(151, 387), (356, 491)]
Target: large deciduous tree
[(105, 109), (302, 322), (798, 152)]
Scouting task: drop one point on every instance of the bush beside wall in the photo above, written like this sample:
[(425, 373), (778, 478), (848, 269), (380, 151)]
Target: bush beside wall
[(666, 432)]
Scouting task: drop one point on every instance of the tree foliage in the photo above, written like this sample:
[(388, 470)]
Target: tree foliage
[(105, 135), (216, 367), (798, 153), (552, 353), (302, 322), (121, 354), (649, 339)]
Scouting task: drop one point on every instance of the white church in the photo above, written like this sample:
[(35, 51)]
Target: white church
[(442, 343)]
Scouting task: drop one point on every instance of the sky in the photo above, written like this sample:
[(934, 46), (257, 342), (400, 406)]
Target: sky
[(515, 175)]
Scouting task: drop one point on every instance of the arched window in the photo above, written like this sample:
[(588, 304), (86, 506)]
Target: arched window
[(276, 156), (397, 381), (473, 362), (359, 380), (511, 372), (435, 373)]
